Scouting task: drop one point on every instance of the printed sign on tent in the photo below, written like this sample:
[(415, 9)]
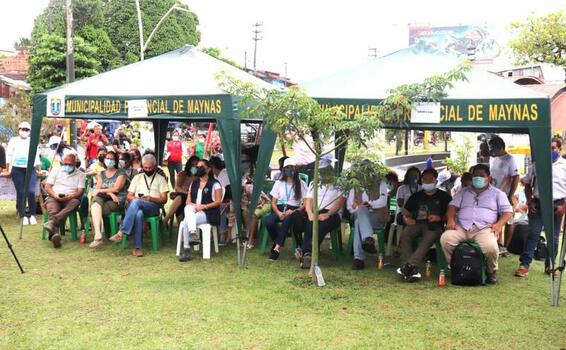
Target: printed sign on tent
[(55, 105), (137, 109), (426, 112)]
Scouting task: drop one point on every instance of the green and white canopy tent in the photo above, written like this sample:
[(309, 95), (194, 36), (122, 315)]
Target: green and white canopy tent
[(485, 103), (180, 85)]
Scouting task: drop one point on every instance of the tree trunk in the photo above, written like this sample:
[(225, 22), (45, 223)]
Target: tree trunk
[(315, 247)]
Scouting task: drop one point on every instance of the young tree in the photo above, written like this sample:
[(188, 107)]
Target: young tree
[(294, 115), (540, 39)]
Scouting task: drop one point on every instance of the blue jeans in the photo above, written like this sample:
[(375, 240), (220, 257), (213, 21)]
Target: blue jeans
[(364, 223), (133, 220), (18, 177), (278, 235), (535, 227)]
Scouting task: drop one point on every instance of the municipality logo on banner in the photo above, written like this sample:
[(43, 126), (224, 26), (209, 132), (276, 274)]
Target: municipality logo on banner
[(55, 105)]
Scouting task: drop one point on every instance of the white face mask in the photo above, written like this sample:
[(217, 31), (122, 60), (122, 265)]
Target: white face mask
[(24, 134), (175, 138)]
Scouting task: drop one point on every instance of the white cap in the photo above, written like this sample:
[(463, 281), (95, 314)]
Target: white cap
[(326, 161), (24, 125), (54, 140), (92, 125), (290, 162), (443, 176)]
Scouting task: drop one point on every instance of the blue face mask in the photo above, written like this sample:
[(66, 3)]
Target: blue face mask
[(68, 168), (479, 182), (110, 163), (289, 173), (429, 187), (555, 156), (193, 170), (492, 152)]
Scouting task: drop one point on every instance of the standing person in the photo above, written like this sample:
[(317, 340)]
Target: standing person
[(286, 204), (478, 214), (535, 218), (16, 163), (175, 160), (96, 141), (424, 215), (65, 187), (121, 142), (330, 203), (505, 176), (147, 192), (199, 147), (203, 202)]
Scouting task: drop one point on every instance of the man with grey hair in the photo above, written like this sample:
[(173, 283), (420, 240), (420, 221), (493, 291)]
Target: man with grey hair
[(64, 186), (147, 192)]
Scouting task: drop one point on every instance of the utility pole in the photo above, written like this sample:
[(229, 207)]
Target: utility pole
[(256, 38), (50, 17), (71, 65), (245, 60), (373, 53)]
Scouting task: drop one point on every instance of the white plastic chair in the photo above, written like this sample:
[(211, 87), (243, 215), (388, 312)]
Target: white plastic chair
[(206, 230)]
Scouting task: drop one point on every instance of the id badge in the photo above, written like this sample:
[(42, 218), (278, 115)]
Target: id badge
[(280, 202)]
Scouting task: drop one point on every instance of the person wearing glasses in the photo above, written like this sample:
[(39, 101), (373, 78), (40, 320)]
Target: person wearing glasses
[(16, 165), (478, 214)]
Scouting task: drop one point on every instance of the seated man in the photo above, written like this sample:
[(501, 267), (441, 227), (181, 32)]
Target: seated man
[(330, 203), (477, 213), (424, 215), (64, 186), (147, 192)]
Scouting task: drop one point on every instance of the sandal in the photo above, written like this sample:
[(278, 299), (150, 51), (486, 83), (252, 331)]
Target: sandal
[(117, 237), (96, 243)]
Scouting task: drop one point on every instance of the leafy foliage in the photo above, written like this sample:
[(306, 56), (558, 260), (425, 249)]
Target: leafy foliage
[(15, 110), (217, 53), (461, 162), (362, 177), (540, 39)]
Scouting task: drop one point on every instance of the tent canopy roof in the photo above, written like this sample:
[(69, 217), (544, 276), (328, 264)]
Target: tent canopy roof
[(373, 79), (183, 72)]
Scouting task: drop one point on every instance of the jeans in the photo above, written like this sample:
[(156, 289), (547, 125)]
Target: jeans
[(535, 227), (278, 235), (364, 224), (333, 222), (133, 220), (18, 177), (173, 168)]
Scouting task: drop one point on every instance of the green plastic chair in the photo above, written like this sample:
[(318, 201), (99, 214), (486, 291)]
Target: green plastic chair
[(336, 239), (72, 222), (155, 227), (265, 238), (380, 232)]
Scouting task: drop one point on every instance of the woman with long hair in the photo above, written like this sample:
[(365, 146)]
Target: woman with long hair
[(184, 180)]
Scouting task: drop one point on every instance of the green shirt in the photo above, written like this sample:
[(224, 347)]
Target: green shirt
[(45, 163), (199, 150)]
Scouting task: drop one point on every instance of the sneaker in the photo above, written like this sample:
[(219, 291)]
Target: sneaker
[(306, 261), (358, 264), (51, 228), (25, 220), (368, 245), (522, 271), (32, 220), (409, 272), (492, 278), (299, 253), (56, 240), (186, 255), (194, 239), (274, 255)]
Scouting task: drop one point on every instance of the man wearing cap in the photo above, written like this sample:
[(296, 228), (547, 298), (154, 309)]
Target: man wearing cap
[(330, 203), (16, 163)]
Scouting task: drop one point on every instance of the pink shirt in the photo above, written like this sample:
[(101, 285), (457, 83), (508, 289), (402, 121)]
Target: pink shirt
[(481, 210)]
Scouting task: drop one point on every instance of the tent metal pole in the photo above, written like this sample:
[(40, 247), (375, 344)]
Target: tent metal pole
[(560, 268)]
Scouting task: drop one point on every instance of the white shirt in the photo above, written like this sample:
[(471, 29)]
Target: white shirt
[(64, 183), (501, 168), (558, 179), (17, 152), (378, 203), (302, 153), (223, 178), (327, 195), (198, 200), (285, 193), (404, 192)]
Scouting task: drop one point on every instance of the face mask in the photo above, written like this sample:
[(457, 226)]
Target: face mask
[(390, 187), (122, 163), (110, 163), (68, 168), (478, 182), (24, 134), (413, 180), (492, 152), (101, 158), (149, 173), (200, 172), (175, 138), (555, 156), (289, 173), (193, 170), (429, 187)]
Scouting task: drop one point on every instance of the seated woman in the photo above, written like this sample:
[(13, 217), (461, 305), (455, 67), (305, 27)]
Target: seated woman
[(203, 202), (184, 180), (136, 159), (125, 164), (287, 203), (108, 196), (147, 192), (411, 185)]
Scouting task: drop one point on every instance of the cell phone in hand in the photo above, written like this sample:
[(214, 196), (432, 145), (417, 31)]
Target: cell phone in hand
[(140, 195), (61, 195)]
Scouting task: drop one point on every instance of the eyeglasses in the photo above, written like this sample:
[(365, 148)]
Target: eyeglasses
[(25, 129)]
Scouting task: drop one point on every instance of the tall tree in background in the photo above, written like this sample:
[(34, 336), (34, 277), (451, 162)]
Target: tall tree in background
[(178, 29), (540, 39)]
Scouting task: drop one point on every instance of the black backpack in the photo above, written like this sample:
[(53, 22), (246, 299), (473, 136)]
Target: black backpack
[(541, 250), (468, 265), (520, 234)]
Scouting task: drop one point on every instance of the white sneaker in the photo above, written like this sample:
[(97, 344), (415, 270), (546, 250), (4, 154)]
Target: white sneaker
[(26, 220), (32, 220)]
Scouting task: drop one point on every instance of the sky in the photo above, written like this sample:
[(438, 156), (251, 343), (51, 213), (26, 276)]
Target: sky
[(312, 38)]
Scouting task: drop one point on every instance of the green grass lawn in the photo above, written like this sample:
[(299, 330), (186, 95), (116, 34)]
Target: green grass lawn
[(77, 298)]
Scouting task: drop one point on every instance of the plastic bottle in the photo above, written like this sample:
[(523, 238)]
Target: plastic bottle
[(379, 262), (441, 279), (83, 237), (428, 269), (319, 278)]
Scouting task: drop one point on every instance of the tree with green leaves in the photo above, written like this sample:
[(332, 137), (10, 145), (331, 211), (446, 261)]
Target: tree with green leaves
[(217, 53), (294, 115), (540, 39)]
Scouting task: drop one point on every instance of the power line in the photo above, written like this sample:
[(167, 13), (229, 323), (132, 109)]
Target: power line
[(256, 38)]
